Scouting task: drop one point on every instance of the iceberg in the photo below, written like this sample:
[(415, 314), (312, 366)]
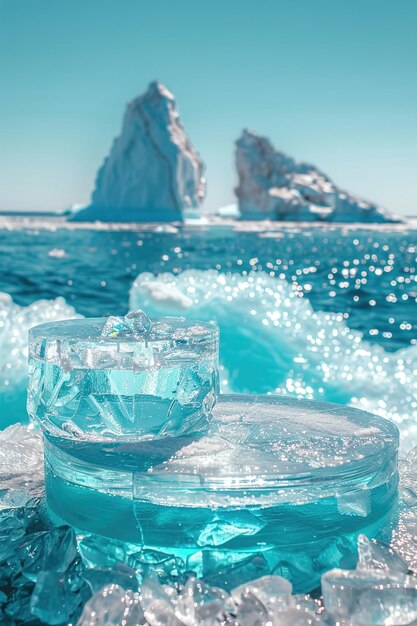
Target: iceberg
[(272, 185), (153, 172)]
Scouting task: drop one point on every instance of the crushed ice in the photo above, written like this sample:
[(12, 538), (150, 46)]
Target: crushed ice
[(136, 323)]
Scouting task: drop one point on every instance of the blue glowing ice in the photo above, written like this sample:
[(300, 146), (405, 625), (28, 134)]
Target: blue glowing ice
[(123, 378), (245, 499)]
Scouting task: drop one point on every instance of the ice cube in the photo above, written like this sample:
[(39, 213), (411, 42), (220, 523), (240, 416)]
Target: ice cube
[(199, 603), (370, 597), (374, 554), (113, 606), (56, 597), (138, 322), (114, 326), (269, 590)]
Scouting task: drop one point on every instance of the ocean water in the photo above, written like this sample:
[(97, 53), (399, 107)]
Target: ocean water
[(336, 307)]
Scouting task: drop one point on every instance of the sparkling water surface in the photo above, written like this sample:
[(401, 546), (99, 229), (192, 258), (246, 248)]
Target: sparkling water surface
[(369, 275), (329, 312)]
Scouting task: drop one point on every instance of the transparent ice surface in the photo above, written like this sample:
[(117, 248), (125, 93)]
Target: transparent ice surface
[(122, 377), (281, 449), (274, 486)]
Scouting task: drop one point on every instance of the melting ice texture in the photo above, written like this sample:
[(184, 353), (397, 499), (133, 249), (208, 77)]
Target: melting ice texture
[(272, 341), (15, 322)]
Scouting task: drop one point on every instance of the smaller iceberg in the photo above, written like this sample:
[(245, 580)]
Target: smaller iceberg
[(274, 186), (153, 173)]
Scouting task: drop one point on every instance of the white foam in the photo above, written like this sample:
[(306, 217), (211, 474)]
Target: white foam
[(271, 340)]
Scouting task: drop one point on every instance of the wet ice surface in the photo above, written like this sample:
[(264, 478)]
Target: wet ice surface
[(273, 485)]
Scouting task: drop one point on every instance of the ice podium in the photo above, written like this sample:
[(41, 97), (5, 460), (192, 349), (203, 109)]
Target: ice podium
[(140, 447)]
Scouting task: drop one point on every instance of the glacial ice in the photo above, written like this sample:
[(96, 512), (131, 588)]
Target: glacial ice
[(15, 322), (153, 173), (263, 320), (273, 185)]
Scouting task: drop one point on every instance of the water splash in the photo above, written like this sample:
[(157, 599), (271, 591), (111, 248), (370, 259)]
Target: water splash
[(272, 341)]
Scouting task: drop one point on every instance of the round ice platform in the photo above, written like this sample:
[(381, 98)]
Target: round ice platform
[(273, 486)]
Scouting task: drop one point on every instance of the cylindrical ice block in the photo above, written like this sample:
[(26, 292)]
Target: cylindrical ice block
[(121, 379), (274, 486)]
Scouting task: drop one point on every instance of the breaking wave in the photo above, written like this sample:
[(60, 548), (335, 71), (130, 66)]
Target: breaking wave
[(272, 341)]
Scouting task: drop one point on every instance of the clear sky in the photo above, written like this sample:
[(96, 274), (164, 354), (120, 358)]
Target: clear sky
[(332, 82)]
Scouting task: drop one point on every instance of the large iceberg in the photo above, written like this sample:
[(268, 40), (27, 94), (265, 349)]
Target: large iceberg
[(153, 172), (274, 186)]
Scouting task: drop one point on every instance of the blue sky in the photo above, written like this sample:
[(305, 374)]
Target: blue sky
[(333, 82)]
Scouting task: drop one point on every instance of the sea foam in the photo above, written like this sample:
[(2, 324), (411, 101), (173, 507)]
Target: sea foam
[(273, 341)]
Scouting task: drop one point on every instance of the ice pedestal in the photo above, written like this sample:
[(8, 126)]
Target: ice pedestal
[(119, 379), (273, 486)]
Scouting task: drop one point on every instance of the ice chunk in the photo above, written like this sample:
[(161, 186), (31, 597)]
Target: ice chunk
[(375, 555), (56, 597), (225, 570), (198, 603), (268, 601), (52, 551), (103, 552), (251, 612), (113, 606), (370, 597), (114, 326), (227, 525), (269, 590), (194, 603), (119, 574), (138, 322)]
